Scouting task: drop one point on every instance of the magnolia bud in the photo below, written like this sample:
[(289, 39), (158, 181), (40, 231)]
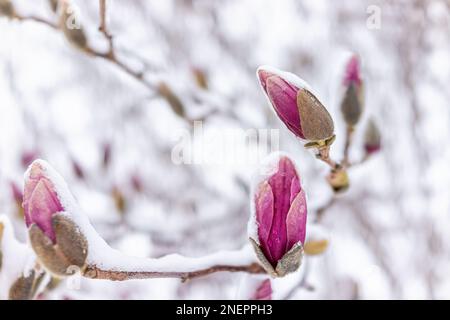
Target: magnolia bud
[(372, 138), (277, 227), (54, 236), (23, 287), (173, 100), (263, 291), (302, 113), (7, 9), (72, 30), (200, 78), (338, 180), (119, 200), (352, 103)]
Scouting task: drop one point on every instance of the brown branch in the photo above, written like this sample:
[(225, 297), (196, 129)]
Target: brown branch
[(323, 154), (36, 19), (93, 272)]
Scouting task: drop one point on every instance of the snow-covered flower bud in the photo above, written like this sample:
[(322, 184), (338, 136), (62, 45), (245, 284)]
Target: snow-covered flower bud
[(338, 180), (72, 28), (56, 239), (7, 9), (353, 101), (372, 138), (18, 198), (277, 226), (263, 291), (293, 102), (23, 287)]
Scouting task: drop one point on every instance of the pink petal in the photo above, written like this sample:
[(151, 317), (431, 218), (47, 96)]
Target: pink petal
[(352, 72), (284, 100), (264, 215), (281, 183), (296, 221), (40, 201)]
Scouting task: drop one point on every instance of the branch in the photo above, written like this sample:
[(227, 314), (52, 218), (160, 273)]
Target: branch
[(348, 142), (94, 272)]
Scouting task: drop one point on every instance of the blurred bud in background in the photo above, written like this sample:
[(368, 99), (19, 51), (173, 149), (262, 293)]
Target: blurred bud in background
[(317, 241), (119, 200), (372, 138), (54, 5), (106, 155), (7, 9), (263, 291), (200, 78), (17, 195), (172, 99), (71, 27), (302, 113), (353, 100), (78, 170), (277, 227), (338, 180), (28, 157)]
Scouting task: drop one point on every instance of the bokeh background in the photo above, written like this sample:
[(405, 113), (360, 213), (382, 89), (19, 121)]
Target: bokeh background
[(112, 137)]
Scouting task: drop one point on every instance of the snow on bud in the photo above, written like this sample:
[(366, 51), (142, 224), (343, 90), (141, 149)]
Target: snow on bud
[(353, 102), (263, 291), (55, 238), (293, 102), (72, 30), (277, 226), (372, 138), (7, 9)]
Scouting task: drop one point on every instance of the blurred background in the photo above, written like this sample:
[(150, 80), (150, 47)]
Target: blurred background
[(111, 130)]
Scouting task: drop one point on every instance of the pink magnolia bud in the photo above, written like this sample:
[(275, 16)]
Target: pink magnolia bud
[(264, 291), (295, 105), (28, 157), (54, 236), (277, 227), (372, 138), (353, 101)]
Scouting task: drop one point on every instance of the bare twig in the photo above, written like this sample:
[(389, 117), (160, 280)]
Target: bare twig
[(324, 155), (348, 142), (94, 272)]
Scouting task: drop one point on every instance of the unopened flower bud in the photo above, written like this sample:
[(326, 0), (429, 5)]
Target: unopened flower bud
[(172, 99), (372, 138), (277, 227), (353, 102), (17, 195), (338, 180), (119, 200), (72, 29), (7, 9), (23, 287), (106, 155), (263, 291), (54, 236), (293, 102)]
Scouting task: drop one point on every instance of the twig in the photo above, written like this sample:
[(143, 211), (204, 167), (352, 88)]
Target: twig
[(348, 142), (323, 154), (103, 28), (94, 272)]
